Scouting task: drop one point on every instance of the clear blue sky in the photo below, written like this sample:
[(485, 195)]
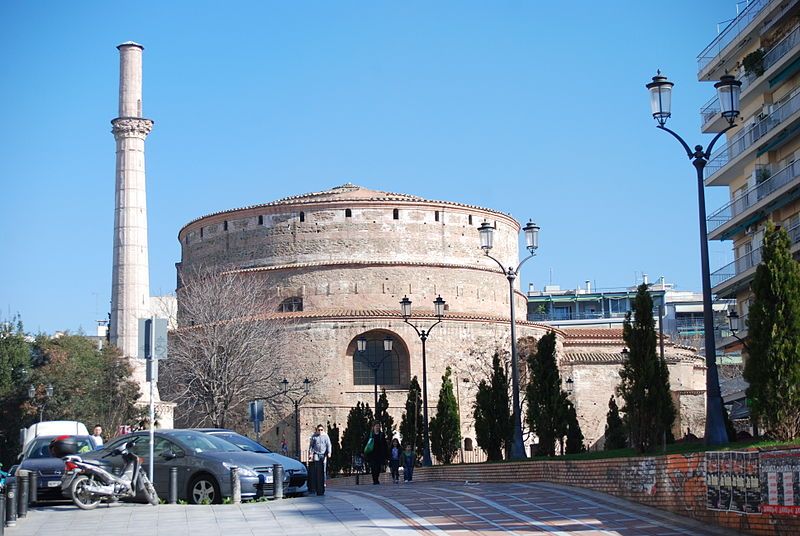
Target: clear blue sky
[(534, 108)]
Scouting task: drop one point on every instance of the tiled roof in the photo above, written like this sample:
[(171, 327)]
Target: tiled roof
[(595, 358), (592, 333), (346, 192), (296, 265)]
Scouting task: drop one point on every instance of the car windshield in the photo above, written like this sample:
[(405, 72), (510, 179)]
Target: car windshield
[(200, 442), (40, 447), (243, 442)]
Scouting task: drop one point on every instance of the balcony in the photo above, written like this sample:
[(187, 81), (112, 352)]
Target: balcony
[(557, 316), (750, 206), (729, 278), (712, 121), (730, 33), (745, 139)]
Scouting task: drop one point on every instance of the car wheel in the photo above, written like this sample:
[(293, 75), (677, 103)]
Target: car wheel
[(203, 489)]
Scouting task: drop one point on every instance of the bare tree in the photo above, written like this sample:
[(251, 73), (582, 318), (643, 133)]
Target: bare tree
[(229, 348)]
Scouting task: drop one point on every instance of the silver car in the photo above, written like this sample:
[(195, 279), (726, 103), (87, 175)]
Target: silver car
[(203, 461)]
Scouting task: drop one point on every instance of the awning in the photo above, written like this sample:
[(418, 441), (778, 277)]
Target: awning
[(689, 308)]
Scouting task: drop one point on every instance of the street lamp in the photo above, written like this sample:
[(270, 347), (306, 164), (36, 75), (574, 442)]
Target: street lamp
[(570, 386), (296, 402), (373, 362), (438, 309), (531, 244), (48, 390), (728, 89)]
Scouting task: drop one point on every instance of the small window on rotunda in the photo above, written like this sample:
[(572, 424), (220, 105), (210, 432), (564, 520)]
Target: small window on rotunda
[(348, 213), (201, 232), (468, 444), (261, 220), (291, 305), (225, 225), (395, 214), (302, 217), (436, 215), (470, 219)]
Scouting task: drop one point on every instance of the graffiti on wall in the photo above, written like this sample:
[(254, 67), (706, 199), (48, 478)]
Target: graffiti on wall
[(639, 477), (780, 482), (732, 482)]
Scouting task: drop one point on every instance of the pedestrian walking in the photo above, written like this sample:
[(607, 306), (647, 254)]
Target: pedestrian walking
[(376, 451), (395, 455), (409, 459), (319, 450)]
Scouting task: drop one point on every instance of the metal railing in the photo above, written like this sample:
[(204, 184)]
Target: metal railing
[(571, 315), (745, 138), (753, 195), (748, 261), (730, 32), (711, 108)]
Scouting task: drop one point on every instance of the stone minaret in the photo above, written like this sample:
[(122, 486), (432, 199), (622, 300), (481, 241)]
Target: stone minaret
[(130, 281)]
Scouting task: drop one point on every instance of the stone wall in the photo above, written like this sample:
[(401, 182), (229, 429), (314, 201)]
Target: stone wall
[(676, 483)]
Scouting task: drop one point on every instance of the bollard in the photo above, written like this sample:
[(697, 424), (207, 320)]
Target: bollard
[(22, 493), (2, 509), (277, 481), (173, 485), (236, 486), (11, 504), (33, 487)]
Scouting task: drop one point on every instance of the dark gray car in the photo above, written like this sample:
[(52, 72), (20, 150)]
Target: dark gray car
[(204, 464)]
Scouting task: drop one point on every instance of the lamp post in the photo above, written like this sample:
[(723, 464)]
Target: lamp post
[(532, 244), (734, 325), (48, 394), (296, 402), (405, 310), (570, 386), (374, 363), (728, 89)]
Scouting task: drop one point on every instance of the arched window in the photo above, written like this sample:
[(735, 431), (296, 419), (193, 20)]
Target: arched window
[(393, 368), (396, 214), (291, 305), (348, 213), (467, 444), (302, 217)]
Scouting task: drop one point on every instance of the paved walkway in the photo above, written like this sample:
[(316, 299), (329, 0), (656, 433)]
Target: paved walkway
[(421, 508)]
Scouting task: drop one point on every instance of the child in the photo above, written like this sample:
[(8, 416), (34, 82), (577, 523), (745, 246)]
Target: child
[(408, 463), (395, 453)]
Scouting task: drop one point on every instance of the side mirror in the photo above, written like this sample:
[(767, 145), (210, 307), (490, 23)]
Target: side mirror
[(168, 455)]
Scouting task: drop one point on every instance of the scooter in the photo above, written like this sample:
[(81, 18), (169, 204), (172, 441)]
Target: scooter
[(88, 483)]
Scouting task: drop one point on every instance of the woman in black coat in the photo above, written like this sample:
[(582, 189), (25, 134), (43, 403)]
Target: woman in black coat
[(380, 452)]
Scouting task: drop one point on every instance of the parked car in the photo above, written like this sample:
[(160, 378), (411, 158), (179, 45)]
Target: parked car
[(38, 458), (204, 464), (295, 472), (50, 428)]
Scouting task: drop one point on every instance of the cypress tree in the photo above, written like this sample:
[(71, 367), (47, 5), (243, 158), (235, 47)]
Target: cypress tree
[(355, 435), (445, 427), (615, 429), (773, 366), (411, 423), (649, 410), (547, 403), (574, 433), (383, 417), (335, 463), (492, 411)]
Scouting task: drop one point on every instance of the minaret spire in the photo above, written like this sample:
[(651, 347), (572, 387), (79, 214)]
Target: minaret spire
[(130, 285)]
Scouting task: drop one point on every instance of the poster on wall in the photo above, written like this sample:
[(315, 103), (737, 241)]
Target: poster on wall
[(780, 482), (732, 482)]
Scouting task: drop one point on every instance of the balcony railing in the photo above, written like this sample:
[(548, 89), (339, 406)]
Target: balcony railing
[(753, 195), (711, 109), (748, 261), (731, 31), (745, 138)]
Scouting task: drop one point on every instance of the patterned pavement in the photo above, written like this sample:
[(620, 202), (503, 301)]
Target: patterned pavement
[(438, 508)]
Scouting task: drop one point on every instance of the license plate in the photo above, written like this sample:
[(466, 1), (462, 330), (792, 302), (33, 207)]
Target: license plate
[(268, 479), (53, 483)]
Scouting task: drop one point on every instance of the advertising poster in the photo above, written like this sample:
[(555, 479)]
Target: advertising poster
[(738, 482), (726, 480), (712, 480), (779, 482), (753, 498)]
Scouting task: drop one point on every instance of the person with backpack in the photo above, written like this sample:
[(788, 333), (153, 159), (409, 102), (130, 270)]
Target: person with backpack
[(409, 458), (376, 451)]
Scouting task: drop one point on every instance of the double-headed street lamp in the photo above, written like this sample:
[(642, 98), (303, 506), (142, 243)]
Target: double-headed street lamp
[(728, 89), (733, 324), (405, 310), (48, 391), (374, 362), (296, 401), (532, 244)]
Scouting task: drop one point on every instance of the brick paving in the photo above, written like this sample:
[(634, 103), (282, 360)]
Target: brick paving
[(437, 508)]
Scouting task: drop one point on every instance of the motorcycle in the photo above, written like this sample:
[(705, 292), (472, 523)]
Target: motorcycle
[(87, 483)]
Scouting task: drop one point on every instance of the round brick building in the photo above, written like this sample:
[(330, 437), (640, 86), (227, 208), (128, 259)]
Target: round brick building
[(341, 260)]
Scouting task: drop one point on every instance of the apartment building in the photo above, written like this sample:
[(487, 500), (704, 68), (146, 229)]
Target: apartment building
[(760, 161)]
